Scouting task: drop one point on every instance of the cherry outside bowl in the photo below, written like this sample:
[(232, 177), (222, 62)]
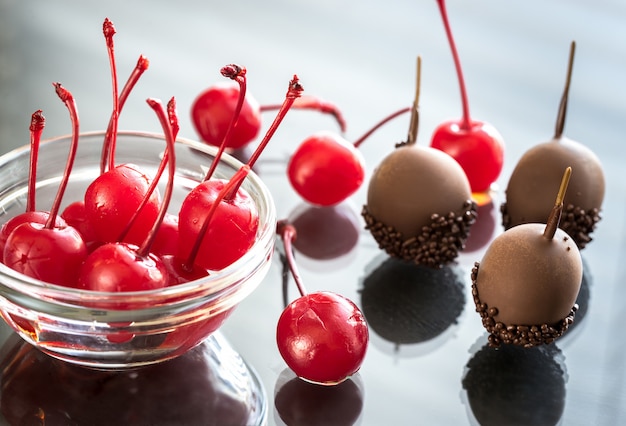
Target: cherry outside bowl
[(92, 328)]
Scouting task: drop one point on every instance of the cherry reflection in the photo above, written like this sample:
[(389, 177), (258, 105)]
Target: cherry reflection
[(300, 403), (325, 233), (408, 304), (192, 389), (512, 385)]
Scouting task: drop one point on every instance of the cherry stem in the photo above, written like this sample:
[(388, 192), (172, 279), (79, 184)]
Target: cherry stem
[(170, 159), (560, 120), (294, 91), (37, 123), (172, 117), (109, 31), (70, 103), (555, 215), (415, 113), (108, 147), (288, 235), (465, 121), (234, 182), (237, 73), (314, 103), (384, 121)]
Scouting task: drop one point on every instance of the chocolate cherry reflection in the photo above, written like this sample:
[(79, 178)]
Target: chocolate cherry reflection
[(528, 388), (527, 193), (419, 206), (318, 327), (526, 285), (405, 303)]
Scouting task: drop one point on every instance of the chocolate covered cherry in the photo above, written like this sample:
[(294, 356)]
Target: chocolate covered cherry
[(529, 189), (526, 285), (419, 205)]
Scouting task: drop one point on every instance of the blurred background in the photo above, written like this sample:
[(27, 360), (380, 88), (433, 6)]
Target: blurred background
[(361, 56)]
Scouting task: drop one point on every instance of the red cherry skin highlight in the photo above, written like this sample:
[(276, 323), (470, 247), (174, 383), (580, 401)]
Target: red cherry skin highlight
[(326, 169), (322, 337)]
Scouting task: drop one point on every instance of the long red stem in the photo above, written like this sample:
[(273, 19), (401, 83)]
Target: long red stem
[(70, 103), (313, 103), (466, 121), (390, 117), (37, 123), (293, 92), (288, 235), (237, 73), (170, 159), (109, 31), (172, 117), (108, 148)]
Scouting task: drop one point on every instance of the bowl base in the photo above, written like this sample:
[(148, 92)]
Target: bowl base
[(210, 385)]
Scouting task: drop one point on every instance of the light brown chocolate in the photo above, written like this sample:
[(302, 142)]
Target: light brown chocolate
[(535, 180), (526, 285), (419, 205)]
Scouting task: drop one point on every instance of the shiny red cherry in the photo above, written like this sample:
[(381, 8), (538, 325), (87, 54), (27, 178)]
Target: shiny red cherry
[(477, 146), (317, 328), (50, 254), (232, 230), (213, 109), (46, 251), (112, 199), (321, 336), (116, 267), (326, 169)]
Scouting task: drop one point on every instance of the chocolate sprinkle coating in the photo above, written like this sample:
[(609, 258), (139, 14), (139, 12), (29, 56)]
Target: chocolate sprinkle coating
[(515, 334), (578, 223), (439, 242)]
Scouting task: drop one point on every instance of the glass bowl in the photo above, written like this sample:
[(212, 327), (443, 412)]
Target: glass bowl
[(98, 329)]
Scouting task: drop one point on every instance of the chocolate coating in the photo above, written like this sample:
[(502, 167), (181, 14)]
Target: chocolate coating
[(526, 280), (419, 205), (536, 179)]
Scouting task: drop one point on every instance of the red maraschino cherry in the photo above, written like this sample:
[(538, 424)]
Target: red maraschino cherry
[(326, 169), (322, 336), (49, 252), (119, 266), (213, 109), (476, 145), (234, 227), (37, 124)]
